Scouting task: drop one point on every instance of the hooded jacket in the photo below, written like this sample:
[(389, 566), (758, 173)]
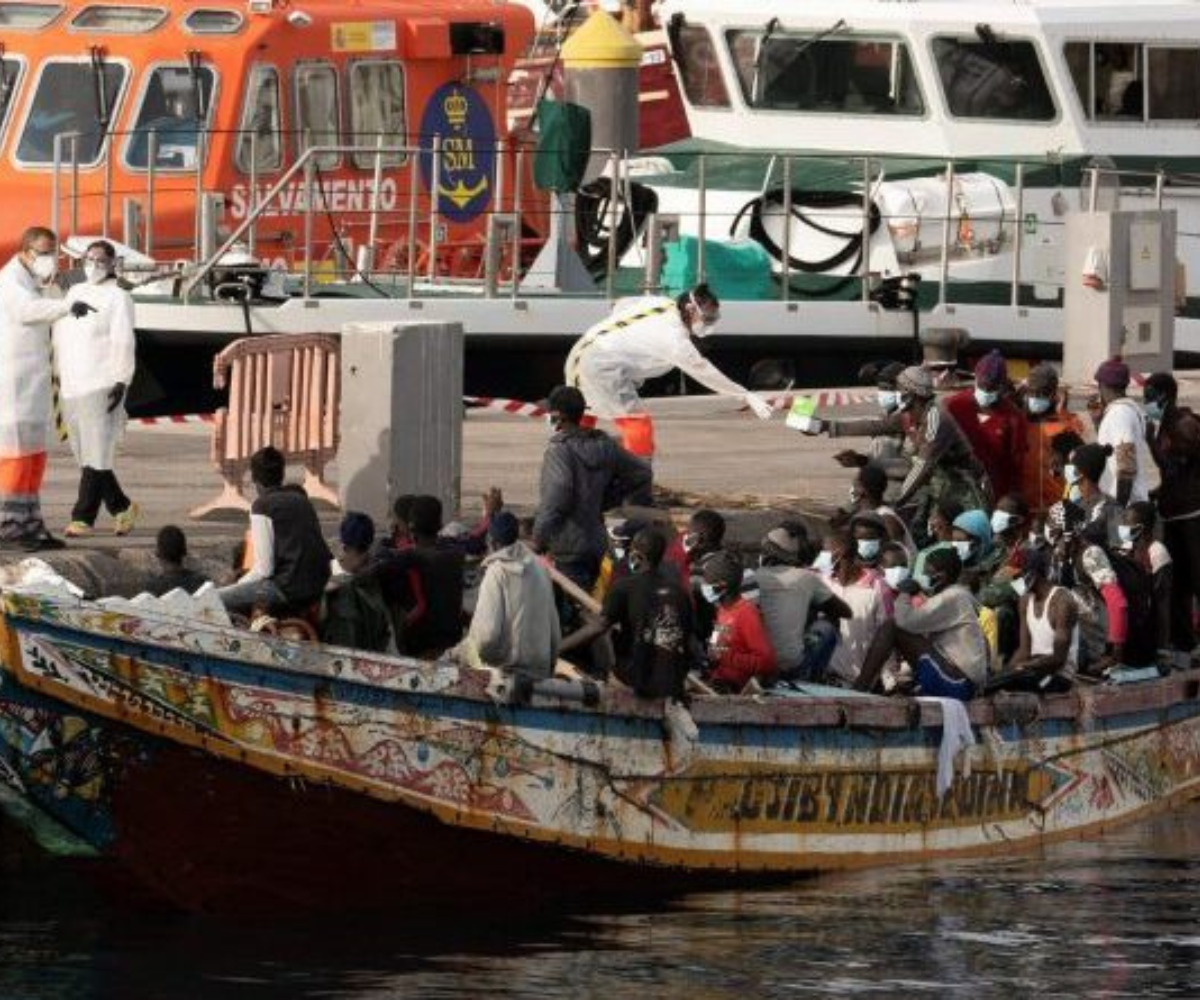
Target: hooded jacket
[(515, 625), (584, 473)]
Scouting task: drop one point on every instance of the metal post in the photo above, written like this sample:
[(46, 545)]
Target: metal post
[(944, 275), (74, 183), (199, 187), (614, 220), (252, 232), (131, 223), (414, 187), (106, 200), (55, 194), (309, 170), (702, 222), (1019, 237), (864, 264), (151, 177), (787, 229), (1094, 189), (373, 225), (435, 177), (518, 193), (1160, 183), (498, 191)]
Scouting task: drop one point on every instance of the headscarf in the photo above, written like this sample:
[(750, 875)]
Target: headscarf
[(1113, 373), (992, 371)]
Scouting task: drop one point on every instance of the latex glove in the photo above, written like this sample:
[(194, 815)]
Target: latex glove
[(115, 395), (79, 309), (762, 409)]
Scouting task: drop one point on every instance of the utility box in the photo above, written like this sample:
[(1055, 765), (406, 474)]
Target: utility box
[(1120, 294), (401, 415)]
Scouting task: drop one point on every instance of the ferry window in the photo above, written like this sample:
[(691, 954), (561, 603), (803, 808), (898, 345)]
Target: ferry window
[(377, 109), (317, 110), (28, 16), (213, 22), (1134, 82), (1173, 74), (782, 71), (66, 100), (261, 116), (1107, 78), (989, 78), (699, 70), (176, 105), (10, 76), (119, 20)]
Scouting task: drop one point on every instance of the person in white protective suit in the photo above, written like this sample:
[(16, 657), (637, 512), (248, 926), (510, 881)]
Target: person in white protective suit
[(29, 303), (645, 338), (95, 361)]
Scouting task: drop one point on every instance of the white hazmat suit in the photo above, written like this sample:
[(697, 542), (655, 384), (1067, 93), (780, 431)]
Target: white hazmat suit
[(643, 338)]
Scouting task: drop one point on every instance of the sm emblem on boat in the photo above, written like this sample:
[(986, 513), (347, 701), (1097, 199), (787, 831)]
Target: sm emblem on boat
[(458, 115)]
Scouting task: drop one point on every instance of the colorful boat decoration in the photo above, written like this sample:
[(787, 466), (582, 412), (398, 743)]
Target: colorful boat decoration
[(232, 769)]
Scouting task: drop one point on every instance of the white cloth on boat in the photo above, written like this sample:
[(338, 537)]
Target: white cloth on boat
[(957, 736), (26, 312)]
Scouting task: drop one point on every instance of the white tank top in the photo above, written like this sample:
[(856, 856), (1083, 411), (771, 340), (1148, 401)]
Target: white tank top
[(1041, 631)]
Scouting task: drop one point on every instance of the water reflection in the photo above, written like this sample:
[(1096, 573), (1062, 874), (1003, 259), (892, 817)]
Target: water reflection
[(1115, 918)]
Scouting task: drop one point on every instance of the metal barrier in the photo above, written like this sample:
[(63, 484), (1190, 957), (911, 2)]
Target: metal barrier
[(284, 390)]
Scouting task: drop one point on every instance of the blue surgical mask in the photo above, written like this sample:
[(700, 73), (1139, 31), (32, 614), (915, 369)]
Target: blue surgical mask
[(1037, 405), (889, 400), (1129, 533), (710, 593), (868, 549), (1153, 410), (896, 575), (985, 398), (823, 564), (1074, 494), (1071, 474)]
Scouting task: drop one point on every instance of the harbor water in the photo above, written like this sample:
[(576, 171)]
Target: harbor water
[(1114, 917)]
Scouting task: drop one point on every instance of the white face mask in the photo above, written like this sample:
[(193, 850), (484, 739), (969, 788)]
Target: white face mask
[(1071, 474), (1128, 533), (868, 549), (986, 399), (963, 549), (1038, 405), (896, 575), (1074, 494), (690, 541), (1002, 520), (618, 552), (710, 593), (1018, 586), (854, 493), (95, 272), (823, 564), (889, 400), (44, 267)]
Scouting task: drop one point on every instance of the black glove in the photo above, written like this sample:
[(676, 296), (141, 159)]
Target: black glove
[(79, 309), (115, 395)]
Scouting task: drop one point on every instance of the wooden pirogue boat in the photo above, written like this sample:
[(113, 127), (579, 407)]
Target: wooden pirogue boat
[(228, 769)]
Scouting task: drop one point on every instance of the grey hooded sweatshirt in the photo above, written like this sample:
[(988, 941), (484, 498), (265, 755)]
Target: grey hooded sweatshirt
[(584, 473), (515, 625)]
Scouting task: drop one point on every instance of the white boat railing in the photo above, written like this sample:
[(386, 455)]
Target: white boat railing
[(415, 231)]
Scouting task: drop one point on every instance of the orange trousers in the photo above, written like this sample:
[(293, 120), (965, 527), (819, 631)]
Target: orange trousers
[(22, 476)]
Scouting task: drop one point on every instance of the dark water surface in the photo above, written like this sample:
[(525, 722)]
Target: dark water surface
[(1118, 917)]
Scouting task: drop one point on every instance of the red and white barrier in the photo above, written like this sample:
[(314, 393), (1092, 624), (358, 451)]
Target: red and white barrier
[(174, 419)]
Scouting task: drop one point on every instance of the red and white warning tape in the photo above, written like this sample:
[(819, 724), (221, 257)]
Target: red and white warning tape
[(178, 418), (514, 406)]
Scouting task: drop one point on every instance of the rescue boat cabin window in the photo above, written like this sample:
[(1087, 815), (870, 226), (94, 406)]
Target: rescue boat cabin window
[(119, 20), (987, 78), (11, 70), (699, 68), (176, 104), (317, 124), (262, 118), (67, 99), (28, 16), (377, 109), (213, 22), (820, 72), (1133, 82)]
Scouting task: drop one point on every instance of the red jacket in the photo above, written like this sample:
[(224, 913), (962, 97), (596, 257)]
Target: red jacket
[(997, 436), (740, 646)]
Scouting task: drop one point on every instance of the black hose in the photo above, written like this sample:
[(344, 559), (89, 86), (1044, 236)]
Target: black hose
[(593, 216), (855, 244)]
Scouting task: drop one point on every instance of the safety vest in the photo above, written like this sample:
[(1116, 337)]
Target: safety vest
[(588, 339)]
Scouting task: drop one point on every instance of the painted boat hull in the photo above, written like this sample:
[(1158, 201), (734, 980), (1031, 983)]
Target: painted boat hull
[(264, 773)]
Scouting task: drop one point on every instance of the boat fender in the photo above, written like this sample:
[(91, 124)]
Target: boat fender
[(587, 692)]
